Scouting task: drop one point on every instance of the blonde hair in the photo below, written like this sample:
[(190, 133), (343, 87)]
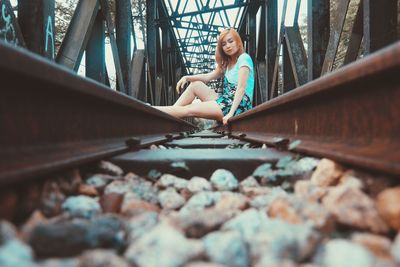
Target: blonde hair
[(223, 60)]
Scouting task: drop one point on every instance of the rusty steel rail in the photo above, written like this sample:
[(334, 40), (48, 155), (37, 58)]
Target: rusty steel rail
[(51, 119), (351, 115)]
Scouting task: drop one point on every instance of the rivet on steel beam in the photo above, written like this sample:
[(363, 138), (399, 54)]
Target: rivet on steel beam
[(281, 143), (169, 137), (133, 143), (242, 136)]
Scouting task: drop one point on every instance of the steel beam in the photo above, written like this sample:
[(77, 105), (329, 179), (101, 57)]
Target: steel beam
[(288, 77), (356, 36), (297, 55), (111, 33), (272, 42), (380, 24), (138, 75), (351, 115), (36, 18), (95, 52), (123, 38), (334, 39), (77, 35), (317, 35)]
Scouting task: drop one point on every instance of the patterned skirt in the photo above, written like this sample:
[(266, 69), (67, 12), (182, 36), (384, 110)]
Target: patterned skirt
[(225, 100)]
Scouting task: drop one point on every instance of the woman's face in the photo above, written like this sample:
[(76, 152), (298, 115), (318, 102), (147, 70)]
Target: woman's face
[(229, 45)]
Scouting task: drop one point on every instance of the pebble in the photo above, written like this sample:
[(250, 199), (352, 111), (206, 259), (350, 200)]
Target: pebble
[(7, 232), (163, 246), (70, 238), (170, 199), (378, 245), (141, 224), (232, 201), (388, 204), (16, 253), (204, 264), (169, 180), (198, 184), (327, 173), (295, 210), (88, 190), (224, 180), (226, 248), (306, 190), (81, 207), (201, 201), (354, 208), (197, 224), (283, 240), (107, 167), (395, 250), (132, 205), (252, 192), (101, 258), (55, 262), (262, 201), (99, 181), (343, 253), (52, 199), (248, 182), (111, 203)]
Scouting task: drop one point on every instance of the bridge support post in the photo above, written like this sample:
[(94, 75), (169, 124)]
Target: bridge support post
[(95, 51), (318, 36), (380, 24), (36, 18), (123, 37)]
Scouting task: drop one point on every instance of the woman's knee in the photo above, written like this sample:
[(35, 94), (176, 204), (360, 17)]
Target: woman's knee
[(196, 84)]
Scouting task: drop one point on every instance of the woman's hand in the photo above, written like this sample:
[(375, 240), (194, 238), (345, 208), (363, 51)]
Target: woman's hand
[(181, 83), (226, 118)]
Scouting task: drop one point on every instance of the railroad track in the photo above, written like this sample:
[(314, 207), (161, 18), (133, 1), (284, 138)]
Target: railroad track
[(60, 125)]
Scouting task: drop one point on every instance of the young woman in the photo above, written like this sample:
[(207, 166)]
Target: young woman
[(237, 68)]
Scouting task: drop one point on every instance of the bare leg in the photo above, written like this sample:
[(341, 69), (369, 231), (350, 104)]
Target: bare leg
[(199, 89), (207, 110)]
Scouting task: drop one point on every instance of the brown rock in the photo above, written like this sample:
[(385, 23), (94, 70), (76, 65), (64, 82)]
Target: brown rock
[(196, 224), (133, 207), (349, 178), (88, 190), (327, 173), (305, 189), (282, 209), (111, 202), (354, 208), (101, 258), (295, 210), (36, 218), (186, 194), (388, 204), (252, 192), (232, 201), (379, 245)]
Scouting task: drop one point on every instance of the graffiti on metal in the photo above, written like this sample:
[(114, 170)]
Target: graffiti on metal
[(49, 37), (7, 29)]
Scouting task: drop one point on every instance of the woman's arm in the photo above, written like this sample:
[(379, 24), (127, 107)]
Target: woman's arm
[(244, 72), (205, 78)]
